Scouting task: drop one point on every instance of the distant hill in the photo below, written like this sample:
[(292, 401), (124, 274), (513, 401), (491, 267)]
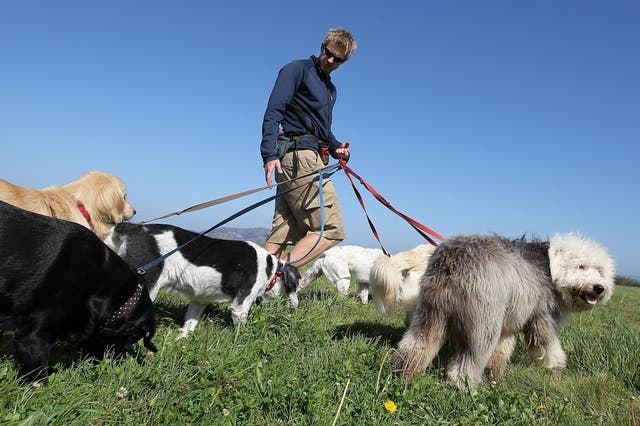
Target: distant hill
[(257, 235), (622, 280)]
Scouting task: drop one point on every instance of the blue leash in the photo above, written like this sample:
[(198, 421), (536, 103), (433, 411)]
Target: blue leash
[(143, 269)]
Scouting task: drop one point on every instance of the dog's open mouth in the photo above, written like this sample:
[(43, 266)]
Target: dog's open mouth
[(591, 294), (589, 298)]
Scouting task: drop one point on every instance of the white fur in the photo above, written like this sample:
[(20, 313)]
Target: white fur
[(576, 259), (340, 265), (201, 285)]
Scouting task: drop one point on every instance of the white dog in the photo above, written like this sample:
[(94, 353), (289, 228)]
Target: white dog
[(480, 291), (339, 265), (396, 279)]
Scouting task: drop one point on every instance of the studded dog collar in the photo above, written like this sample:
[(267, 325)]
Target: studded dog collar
[(126, 308)]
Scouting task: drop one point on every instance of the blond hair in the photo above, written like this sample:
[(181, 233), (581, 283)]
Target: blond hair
[(343, 39)]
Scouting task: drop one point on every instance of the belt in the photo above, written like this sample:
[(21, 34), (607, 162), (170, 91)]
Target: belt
[(308, 142), (302, 149), (307, 136)]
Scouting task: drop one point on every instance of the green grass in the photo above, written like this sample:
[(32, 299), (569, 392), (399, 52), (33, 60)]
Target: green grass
[(331, 358)]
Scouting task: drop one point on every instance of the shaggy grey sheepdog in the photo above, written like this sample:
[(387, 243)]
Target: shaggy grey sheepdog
[(480, 291)]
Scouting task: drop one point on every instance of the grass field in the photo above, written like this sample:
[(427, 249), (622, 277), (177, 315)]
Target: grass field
[(329, 362)]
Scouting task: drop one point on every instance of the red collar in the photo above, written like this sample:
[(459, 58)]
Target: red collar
[(84, 212), (277, 275)]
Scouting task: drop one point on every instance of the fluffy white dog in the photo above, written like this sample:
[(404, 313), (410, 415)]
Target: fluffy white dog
[(395, 280), (339, 265), (480, 291)]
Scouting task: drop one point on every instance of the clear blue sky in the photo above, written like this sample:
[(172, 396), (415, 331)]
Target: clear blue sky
[(470, 116)]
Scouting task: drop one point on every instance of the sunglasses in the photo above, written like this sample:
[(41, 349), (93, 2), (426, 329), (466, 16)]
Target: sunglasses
[(330, 54)]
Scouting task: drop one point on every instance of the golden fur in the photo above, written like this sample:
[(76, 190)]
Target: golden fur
[(395, 280), (103, 196)]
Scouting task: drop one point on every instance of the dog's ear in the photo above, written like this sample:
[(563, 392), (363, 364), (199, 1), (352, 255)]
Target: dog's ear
[(107, 195), (111, 205), (290, 278)]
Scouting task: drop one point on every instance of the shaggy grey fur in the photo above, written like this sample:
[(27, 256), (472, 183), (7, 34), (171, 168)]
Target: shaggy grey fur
[(480, 291)]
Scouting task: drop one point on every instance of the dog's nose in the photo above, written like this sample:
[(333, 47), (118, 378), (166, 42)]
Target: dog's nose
[(598, 288)]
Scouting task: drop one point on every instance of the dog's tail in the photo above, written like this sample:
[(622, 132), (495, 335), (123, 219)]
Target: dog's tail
[(313, 273), (384, 281)]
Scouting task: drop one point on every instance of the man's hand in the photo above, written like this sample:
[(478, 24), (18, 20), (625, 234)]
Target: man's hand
[(343, 151), (269, 168)]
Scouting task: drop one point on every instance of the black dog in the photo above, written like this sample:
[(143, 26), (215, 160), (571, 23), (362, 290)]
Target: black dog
[(207, 270), (58, 281)]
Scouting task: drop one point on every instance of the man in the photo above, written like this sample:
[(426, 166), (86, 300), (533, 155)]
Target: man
[(300, 108)]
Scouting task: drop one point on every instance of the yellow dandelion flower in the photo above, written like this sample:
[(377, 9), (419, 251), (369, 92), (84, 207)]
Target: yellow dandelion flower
[(390, 406)]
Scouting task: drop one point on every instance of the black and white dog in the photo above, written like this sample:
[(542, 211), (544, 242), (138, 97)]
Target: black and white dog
[(58, 281), (208, 270)]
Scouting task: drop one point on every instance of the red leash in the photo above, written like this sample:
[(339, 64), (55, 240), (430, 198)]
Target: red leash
[(424, 231), (343, 164)]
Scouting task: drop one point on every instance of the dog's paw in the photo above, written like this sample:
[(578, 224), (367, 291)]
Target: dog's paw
[(182, 335), (554, 357), (293, 298)]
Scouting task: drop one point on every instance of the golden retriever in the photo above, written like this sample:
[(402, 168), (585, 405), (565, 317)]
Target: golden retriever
[(96, 200)]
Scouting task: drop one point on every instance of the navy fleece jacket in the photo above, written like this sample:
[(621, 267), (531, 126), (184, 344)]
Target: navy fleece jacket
[(315, 94)]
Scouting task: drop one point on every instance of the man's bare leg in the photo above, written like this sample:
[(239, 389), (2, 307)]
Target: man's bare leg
[(301, 248), (276, 249)]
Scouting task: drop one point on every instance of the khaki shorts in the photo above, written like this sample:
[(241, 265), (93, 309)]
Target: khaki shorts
[(297, 213)]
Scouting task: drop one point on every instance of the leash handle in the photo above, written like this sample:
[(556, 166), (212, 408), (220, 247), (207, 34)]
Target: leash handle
[(342, 157)]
